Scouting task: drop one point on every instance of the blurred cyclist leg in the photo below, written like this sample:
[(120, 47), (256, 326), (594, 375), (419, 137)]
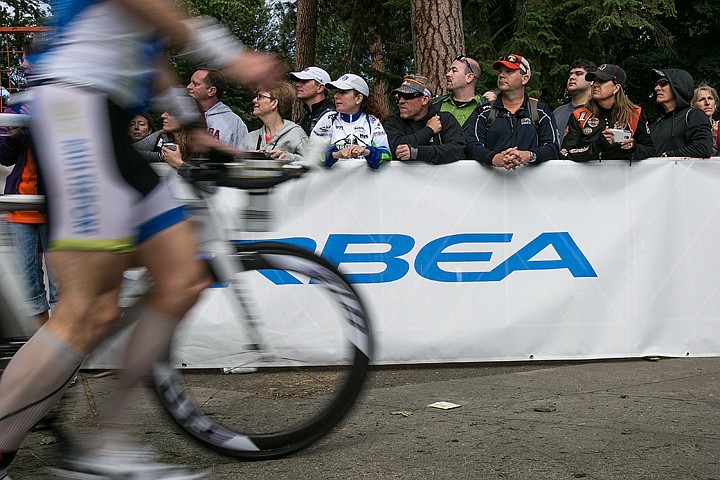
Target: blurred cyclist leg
[(102, 201)]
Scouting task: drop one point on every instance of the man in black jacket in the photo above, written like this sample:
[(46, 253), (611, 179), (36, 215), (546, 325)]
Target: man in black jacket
[(680, 130), (515, 130), (310, 88), (419, 130)]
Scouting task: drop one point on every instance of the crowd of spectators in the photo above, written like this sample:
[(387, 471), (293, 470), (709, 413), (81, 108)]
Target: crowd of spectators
[(502, 127)]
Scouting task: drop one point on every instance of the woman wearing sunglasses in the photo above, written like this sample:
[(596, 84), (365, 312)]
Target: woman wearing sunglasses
[(680, 130), (354, 130), (609, 126)]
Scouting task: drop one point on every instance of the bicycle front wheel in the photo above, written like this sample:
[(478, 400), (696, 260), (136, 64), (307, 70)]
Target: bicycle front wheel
[(305, 349)]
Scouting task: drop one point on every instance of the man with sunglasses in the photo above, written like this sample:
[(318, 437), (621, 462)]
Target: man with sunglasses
[(680, 130), (419, 130), (515, 130), (461, 99)]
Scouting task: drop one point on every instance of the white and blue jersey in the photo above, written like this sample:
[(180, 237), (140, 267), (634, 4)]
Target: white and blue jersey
[(100, 45), (95, 70), (339, 130)]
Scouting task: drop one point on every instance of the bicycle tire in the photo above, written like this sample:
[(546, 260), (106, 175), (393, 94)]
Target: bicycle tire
[(223, 431)]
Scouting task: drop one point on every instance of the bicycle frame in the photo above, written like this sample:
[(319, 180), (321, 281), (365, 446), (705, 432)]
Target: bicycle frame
[(214, 247)]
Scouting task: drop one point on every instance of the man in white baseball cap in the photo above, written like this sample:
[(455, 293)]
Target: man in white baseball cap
[(310, 89)]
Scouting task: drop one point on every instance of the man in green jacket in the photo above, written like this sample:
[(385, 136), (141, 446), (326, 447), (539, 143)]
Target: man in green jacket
[(461, 99)]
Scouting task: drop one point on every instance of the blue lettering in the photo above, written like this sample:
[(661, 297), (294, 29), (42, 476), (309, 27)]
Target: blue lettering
[(570, 255), (395, 268), (427, 260)]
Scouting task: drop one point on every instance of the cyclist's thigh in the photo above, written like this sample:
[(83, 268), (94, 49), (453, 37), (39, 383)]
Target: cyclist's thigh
[(179, 276), (95, 181), (88, 306)]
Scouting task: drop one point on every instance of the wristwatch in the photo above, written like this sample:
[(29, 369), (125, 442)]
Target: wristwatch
[(533, 157)]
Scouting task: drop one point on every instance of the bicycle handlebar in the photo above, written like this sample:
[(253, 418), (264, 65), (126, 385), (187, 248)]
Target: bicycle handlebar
[(16, 203), (245, 175), (14, 120)]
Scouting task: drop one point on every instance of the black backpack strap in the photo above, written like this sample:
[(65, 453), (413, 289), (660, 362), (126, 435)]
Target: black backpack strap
[(532, 107), (439, 100), (491, 117), (534, 116)]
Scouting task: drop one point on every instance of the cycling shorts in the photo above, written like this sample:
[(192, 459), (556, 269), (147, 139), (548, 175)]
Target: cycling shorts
[(101, 194)]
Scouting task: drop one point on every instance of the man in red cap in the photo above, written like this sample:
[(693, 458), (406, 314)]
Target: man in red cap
[(515, 130)]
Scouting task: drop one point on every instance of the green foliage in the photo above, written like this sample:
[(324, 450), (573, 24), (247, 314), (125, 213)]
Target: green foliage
[(554, 33), (22, 13), (636, 34), (253, 23), (249, 20)]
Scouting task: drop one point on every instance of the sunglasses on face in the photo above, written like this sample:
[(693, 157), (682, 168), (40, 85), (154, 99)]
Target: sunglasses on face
[(662, 82), (407, 96), (463, 58)]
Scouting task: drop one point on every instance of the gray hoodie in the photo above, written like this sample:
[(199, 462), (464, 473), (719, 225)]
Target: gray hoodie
[(291, 138), (225, 125)]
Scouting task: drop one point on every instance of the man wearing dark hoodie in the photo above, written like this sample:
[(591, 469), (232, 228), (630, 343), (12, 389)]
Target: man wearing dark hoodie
[(419, 131), (680, 130)]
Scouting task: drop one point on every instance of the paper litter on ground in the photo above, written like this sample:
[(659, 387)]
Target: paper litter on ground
[(444, 405)]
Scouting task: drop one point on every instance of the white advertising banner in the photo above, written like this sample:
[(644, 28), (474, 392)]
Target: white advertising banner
[(463, 262)]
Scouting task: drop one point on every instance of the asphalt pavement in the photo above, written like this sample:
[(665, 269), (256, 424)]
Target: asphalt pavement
[(619, 419)]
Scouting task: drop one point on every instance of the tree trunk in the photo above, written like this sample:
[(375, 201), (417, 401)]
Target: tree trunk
[(438, 37), (306, 33), (377, 62), (305, 40)]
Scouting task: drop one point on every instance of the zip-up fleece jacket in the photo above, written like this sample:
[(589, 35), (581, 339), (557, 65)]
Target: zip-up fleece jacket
[(508, 130), (225, 125), (291, 138), (437, 148), (312, 114), (684, 131)]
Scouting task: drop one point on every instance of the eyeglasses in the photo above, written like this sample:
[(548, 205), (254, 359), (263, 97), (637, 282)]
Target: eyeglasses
[(408, 96), (259, 96), (463, 58), (662, 82)]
